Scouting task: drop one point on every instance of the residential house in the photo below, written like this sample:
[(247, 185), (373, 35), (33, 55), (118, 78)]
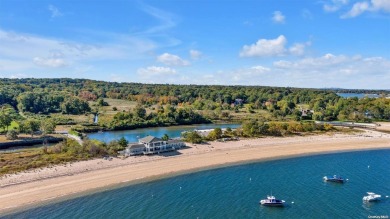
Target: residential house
[(152, 145)]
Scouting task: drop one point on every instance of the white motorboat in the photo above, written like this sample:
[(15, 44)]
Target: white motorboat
[(272, 201), (371, 197), (334, 178)]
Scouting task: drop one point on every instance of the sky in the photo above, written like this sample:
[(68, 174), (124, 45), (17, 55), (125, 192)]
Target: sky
[(300, 43)]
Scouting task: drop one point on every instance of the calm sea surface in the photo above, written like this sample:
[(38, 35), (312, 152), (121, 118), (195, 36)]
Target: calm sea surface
[(172, 132), (234, 192)]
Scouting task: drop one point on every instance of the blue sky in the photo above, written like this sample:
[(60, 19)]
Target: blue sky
[(303, 43)]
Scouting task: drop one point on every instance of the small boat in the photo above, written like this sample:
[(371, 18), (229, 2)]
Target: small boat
[(371, 197), (334, 178), (272, 201)]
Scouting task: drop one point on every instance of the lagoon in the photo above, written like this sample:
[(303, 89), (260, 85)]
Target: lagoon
[(358, 95), (172, 132)]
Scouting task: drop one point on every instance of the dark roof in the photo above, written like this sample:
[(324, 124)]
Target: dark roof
[(174, 141), (135, 146), (149, 139)]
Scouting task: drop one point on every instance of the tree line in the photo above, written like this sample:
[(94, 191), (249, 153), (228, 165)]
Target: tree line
[(70, 96)]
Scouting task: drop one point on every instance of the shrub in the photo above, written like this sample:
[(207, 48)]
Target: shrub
[(12, 134)]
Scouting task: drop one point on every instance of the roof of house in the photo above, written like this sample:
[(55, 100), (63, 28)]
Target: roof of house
[(136, 146), (173, 141), (149, 139)]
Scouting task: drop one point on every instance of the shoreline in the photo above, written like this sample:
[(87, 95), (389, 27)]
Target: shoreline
[(31, 188)]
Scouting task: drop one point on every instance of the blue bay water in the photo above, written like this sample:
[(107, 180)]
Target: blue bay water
[(234, 192), (172, 132)]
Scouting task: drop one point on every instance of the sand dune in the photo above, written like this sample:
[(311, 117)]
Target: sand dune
[(40, 186)]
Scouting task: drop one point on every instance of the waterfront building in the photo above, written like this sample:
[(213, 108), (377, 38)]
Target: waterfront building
[(152, 145)]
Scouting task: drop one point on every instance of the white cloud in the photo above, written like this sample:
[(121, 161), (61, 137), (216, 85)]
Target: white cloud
[(357, 9), (19, 75), (367, 6), (336, 71), (155, 71), (278, 17), (326, 60), (55, 12), (166, 19), (50, 62), (264, 47), (328, 70), (297, 49), (381, 5), (173, 60), (195, 54), (260, 69), (273, 47), (22, 52), (334, 5)]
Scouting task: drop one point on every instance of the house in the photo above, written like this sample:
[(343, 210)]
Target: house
[(151, 145), (238, 102)]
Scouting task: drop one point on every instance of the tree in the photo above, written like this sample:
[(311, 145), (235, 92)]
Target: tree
[(192, 137), (30, 126), (251, 128), (215, 134), (48, 126), (5, 119), (76, 106), (165, 137), (101, 102), (140, 111), (123, 142)]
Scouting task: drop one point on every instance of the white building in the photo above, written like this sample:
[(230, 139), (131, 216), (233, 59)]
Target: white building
[(151, 145)]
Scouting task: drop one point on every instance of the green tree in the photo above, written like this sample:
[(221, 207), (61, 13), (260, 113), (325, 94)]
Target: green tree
[(123, 142), (165, 137), (75, 105), (215, 134), (101, 102), (192, 137), (140, 111), (30, 126), (5, 119), (48, 126), (250, 128)]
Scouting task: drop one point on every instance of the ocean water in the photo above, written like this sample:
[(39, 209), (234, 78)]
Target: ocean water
[(234, 192), (172, 132)]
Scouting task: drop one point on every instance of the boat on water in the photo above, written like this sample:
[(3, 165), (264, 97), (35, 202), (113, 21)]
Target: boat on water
[(272, 201), (371, 197), (334, 178)]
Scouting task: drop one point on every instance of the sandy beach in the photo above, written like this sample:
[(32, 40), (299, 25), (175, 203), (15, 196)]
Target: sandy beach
[(42, 185)]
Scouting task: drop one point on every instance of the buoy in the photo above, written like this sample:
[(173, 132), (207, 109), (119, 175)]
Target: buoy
[(368, 167), (347, 179), (180, 187), (387, 196), (250, 179), (292, 202)]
